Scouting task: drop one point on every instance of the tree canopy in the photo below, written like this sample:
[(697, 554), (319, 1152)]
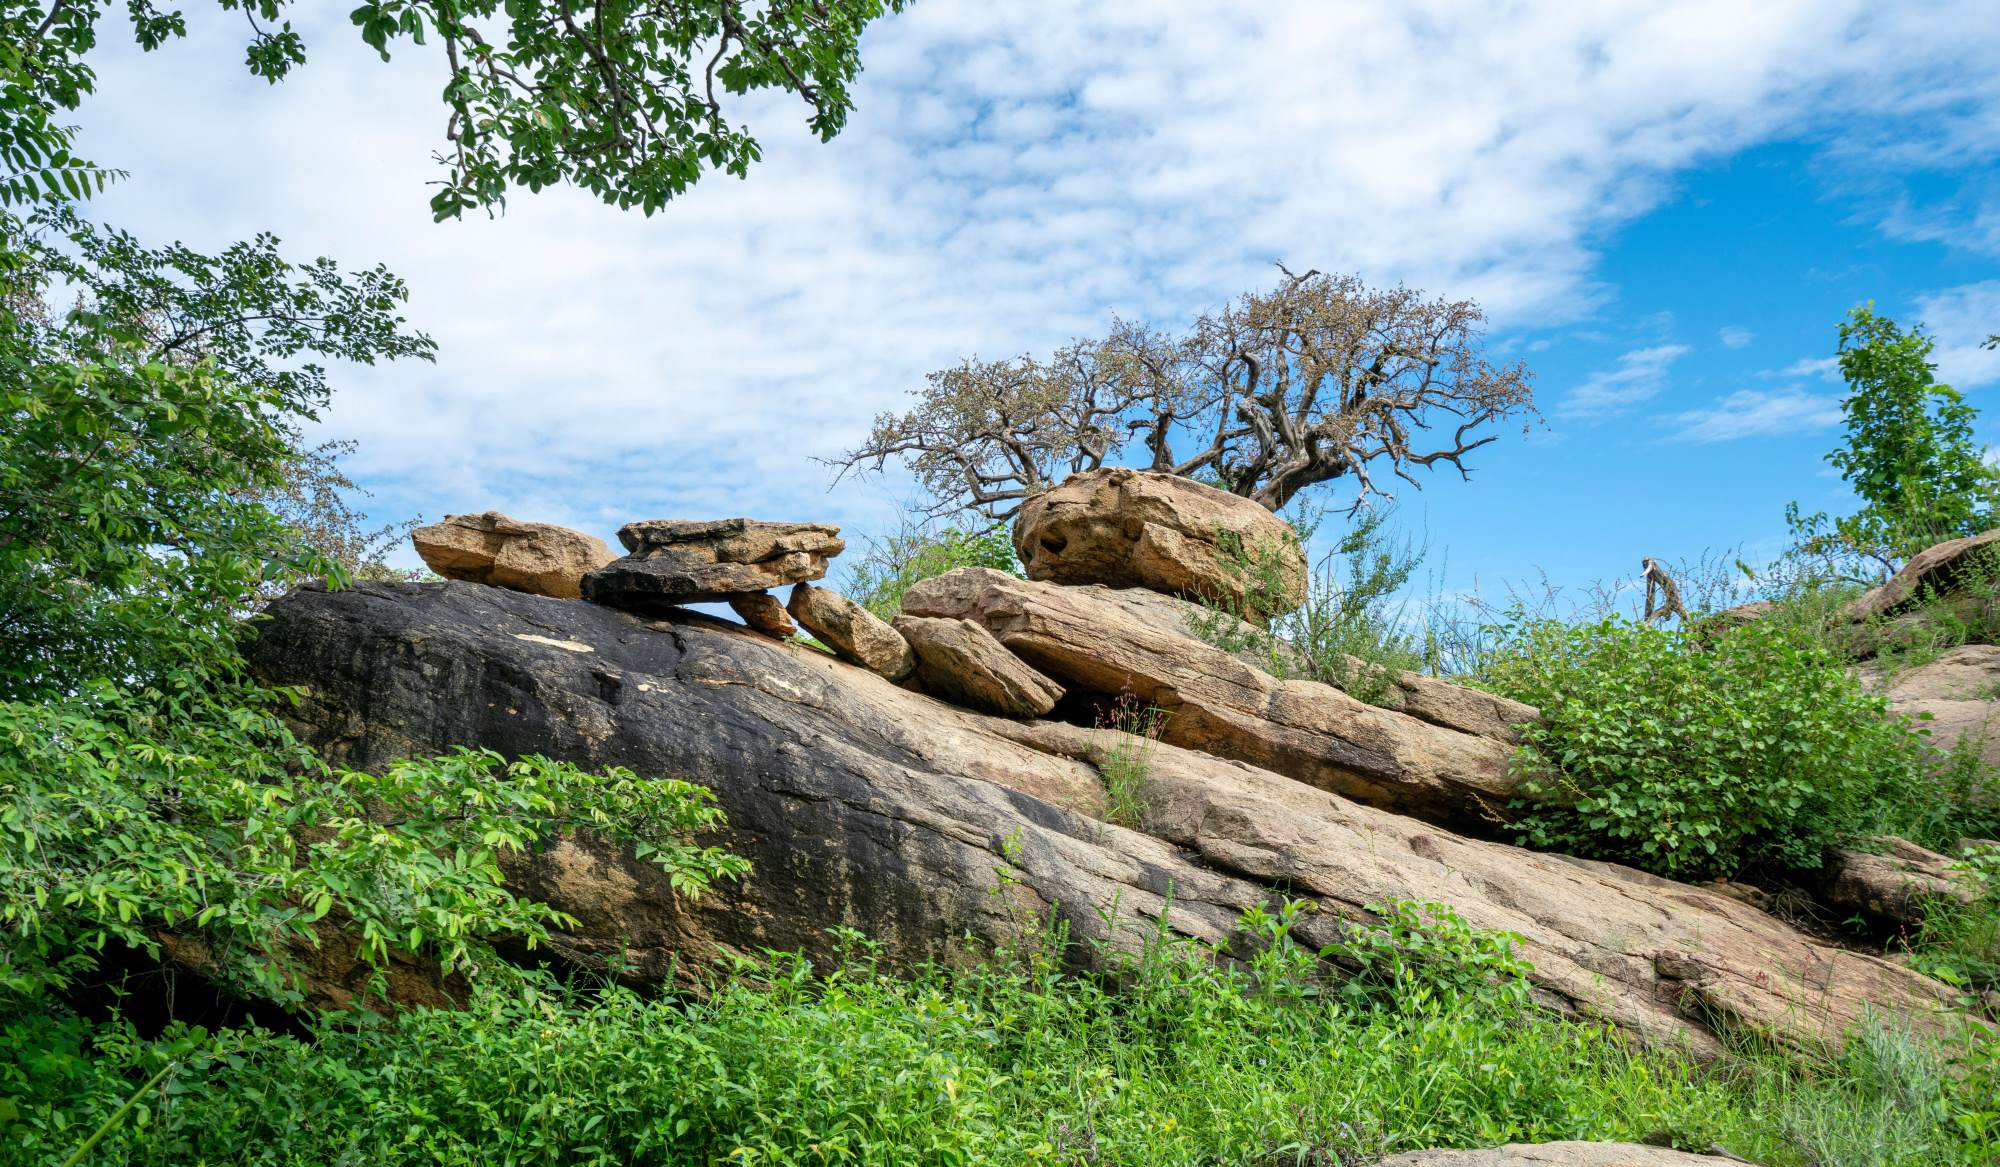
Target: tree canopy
[(630, 101), (1319, 379), (1910, 454)]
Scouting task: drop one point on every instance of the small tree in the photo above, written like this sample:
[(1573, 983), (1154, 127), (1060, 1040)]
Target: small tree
[(1910, 453), (1321, 378)]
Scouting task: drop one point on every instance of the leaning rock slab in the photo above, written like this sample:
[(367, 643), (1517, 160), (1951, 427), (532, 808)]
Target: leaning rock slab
[(1111, 643), (1139, 528), (960, 661), (682, 561), (865, 805), (490, 548), (1898, 883), (852, 631), (1569, 1154), (762, 611), (1935, 570)]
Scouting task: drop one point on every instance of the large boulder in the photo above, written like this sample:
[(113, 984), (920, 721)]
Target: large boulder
[(491, 548), (1142, 529), (1935, 570), (852, 631), (1960, 692), (865, 805), (689, 561), (1118, 642), (961, 662)]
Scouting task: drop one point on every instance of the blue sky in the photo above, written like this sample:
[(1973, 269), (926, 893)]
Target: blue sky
[(1666, 207)]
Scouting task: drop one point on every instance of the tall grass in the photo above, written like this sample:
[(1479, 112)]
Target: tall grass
[(1169, 1057)]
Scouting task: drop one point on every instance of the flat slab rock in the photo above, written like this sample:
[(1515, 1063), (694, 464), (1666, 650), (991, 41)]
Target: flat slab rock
[(686, 561), (1116, 642), (866, 805), (1934, 569), (491, 548), (1138, 528), (1567, 1154)]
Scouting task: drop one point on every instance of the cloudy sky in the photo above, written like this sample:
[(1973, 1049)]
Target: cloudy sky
[(1665, 207)]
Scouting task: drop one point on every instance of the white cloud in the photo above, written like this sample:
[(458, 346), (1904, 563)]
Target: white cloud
[(1960, 319), (1639, 376), (1735, 337), (1013, 175), (1751, 413), (1823, 368)]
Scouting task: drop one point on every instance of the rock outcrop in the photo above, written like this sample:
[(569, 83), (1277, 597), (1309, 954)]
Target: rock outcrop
[(867, 805), (961, 662), (1138, 528), (1960, 690), (1935, 570), (490, 548), (1570, 1154), (852, 631), (1118, 642), (1896, 883), (682, 561)]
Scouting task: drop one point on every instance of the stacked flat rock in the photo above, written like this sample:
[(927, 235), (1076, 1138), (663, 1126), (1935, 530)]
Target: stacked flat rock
[(684, 561), (490, 548)]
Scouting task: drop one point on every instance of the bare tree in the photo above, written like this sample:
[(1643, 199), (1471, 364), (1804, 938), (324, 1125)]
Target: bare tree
[(1319, 379)]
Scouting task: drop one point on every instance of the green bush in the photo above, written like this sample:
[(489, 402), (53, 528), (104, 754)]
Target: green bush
[(1748, 747)]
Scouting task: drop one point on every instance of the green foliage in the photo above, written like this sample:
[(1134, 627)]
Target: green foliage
[(1910, 454), (195, 813), (1960, 943), (1168, 1057), (916, 553), (625, 101), (1751, 747), (1349, 632), (1136, 734), (1415, 952), (146, 425)]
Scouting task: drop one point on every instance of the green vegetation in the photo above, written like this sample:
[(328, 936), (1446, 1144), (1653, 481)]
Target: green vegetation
[(1910, 455), (1169, 1057), (628, 104), (1960, 944), (918, 552), (1753, 747), (1136, 729)]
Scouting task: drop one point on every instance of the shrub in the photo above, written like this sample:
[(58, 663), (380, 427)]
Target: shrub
[(1350, 630), (1691, 758)]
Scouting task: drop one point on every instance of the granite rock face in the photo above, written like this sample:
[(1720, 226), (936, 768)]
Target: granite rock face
[(1114, 643), (864, 804)]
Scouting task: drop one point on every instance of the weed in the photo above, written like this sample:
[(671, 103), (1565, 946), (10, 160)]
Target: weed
[(1136, 729)]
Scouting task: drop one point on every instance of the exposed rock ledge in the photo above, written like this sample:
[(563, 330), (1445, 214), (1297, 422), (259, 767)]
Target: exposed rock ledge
[(867, 805)]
